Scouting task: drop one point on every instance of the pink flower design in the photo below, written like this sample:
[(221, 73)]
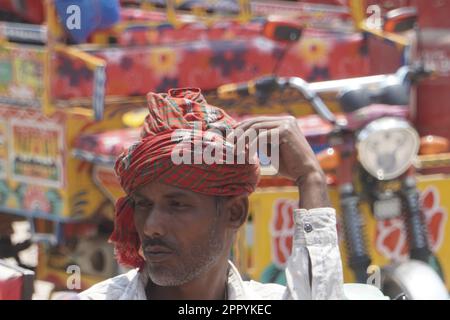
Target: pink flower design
[(35, 199), (282, 230), (314, 51), (435, 217), (391, 240)]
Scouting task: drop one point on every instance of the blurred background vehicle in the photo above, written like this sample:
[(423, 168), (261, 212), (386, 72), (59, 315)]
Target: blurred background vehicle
[(370, 158)]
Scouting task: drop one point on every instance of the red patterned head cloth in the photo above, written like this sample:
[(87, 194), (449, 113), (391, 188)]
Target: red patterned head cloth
[(172, 117)]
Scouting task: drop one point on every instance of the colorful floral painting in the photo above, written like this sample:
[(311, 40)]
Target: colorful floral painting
[(164, 61), (282, 230), (391, 237), (314, 51), (36, 198), (208, 57)]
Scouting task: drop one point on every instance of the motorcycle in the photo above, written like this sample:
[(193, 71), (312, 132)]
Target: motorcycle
[(370, 153)]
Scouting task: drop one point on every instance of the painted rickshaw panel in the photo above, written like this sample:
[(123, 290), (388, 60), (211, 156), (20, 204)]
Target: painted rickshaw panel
[(77, 188), (272, 227)]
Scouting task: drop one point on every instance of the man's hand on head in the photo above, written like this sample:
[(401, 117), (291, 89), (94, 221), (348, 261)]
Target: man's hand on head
[(297, 160)]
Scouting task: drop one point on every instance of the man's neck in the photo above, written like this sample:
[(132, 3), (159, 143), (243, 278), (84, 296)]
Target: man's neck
[(210, 286)]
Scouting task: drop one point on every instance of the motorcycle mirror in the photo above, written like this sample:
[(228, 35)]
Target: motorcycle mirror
[(400, 20), (283, 31), (354, 99), (394, 94)]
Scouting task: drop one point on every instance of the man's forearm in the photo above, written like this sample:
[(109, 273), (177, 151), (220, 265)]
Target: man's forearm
[(313, 191)]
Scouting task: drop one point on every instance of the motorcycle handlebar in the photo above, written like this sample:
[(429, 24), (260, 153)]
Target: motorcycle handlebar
[(413, 74), (260, 85), (267, 84), (263, 86), (313, 98)]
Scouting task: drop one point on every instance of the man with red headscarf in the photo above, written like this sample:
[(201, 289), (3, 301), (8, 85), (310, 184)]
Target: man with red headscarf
[(177, 223)]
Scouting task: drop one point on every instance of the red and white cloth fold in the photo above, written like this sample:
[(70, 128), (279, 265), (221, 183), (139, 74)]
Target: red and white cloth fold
[(150, 159)]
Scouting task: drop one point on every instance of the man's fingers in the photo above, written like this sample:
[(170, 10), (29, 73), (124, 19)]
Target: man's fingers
[(253, 131), (245, 129), (251, 122), (259, 137), (265, 142), (245, 124)]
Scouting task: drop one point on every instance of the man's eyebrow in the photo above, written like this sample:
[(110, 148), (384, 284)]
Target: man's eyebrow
[(138, 195), (177, 194)]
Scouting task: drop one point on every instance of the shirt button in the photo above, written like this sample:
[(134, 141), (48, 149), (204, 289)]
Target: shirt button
[(307, 227)]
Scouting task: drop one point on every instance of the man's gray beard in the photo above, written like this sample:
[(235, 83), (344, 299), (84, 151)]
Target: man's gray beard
[(199, 261)]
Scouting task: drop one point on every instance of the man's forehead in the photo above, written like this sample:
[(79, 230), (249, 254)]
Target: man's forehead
[(163, 189)]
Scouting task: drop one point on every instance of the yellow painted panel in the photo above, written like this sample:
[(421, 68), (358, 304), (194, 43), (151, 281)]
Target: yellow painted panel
[(263, 205)]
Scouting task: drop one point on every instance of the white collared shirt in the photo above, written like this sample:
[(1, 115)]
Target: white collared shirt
[(315, 237)]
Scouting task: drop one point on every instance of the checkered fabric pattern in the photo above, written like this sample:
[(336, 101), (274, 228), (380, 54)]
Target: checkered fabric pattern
[(150, 160)]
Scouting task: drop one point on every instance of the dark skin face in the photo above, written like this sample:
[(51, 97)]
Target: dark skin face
[(186, 239)]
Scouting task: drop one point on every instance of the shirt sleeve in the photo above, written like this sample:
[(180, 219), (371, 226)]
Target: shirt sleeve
[(315, 240)]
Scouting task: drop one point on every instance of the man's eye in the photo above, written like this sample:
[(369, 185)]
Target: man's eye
[(142, 204), (178, 205)]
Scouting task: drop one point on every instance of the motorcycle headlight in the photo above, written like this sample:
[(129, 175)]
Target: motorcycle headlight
[(387, 147)]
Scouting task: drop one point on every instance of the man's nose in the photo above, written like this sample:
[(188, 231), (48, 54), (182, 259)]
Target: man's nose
[(155, 223)]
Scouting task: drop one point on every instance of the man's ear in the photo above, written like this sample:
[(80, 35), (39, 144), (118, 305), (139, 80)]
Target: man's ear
[(237, 211)]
